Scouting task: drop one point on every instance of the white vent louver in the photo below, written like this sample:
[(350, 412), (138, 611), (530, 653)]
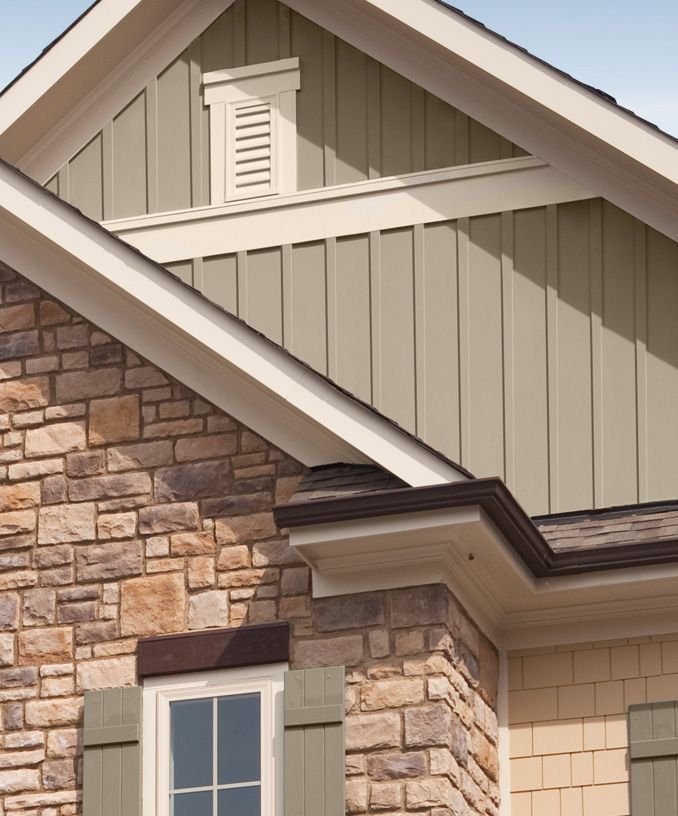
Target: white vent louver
[(252, 145)]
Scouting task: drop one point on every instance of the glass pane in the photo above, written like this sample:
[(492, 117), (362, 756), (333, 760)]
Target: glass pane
[(240, 801), (239, 735), (192, 804), (191, 724)]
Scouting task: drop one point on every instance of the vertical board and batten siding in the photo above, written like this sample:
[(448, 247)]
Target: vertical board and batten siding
[(112, 752), (531, 345), (356, 119), (653, 749), (314, 742)]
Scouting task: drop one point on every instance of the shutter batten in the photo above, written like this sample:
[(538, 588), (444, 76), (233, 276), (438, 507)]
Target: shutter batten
[(112, 752), (314, 742)]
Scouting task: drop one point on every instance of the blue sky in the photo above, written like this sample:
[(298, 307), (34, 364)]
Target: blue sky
[(625, 47)]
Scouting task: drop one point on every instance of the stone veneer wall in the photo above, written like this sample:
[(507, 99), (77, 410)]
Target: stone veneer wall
[(130, 507), (568, 721)]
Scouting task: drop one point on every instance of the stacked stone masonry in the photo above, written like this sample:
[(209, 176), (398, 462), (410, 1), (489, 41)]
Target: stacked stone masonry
[(131, 507), (568, 721)]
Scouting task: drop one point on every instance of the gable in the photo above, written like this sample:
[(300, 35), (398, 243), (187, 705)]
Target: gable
[(356, 120)]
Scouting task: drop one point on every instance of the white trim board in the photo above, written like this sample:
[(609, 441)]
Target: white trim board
[(379, 204), (463, 549), (208, 350)]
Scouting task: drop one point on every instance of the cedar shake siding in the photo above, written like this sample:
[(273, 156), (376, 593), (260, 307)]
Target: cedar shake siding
[(129, 507)]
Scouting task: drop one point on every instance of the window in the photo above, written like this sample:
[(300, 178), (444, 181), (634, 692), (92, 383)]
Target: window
[(213, 743), (253, 129)]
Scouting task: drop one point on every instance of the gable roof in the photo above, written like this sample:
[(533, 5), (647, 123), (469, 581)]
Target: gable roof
[(209, 350)]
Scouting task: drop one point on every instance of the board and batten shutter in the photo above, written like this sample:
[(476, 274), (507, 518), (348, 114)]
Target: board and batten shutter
[(112, 752), (653, 750), (314, 742)]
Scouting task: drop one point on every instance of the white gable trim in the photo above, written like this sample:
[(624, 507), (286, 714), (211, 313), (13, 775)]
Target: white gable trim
[(208, 350), (611, 152)]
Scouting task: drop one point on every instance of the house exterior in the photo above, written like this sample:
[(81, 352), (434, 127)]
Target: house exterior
[(339, 465)]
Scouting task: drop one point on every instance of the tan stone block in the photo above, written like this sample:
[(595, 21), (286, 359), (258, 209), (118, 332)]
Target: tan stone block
[(57, 686), (392, 694), (556, 771), (520, 740), (153, 605), (17, 521), (49, 713), (234, 557), (526, 774), (13, 318), (297, 606), (116, 525), (168, 518), (62, 742), (591, 665), (576, 701), (609, 697), (19, 496), (206, 447), (143, 455), (346, 650), (22, 395), (386, 796), (367, 732), (254, 527), (18, 579), (39, 607), (208, 609), (106, 673), (62, 523), (542, 671), (52, 440), (21, 779), (557, 737), (192, 543), (594, 733), (6, 650), (114, 420), (115, 559), (45, 645), (533, 705), (201, 572), (356, 796), (173, 427), (606, 800), (79, 385)]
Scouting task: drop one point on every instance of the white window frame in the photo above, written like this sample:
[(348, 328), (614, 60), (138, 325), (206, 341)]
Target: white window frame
[(274, 82), (159, 692)]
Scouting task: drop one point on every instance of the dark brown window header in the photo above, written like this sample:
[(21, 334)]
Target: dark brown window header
[(213, 649)]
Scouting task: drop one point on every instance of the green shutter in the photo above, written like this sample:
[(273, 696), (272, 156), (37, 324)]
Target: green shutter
[(314, 742), (112, 748), (653, 750)]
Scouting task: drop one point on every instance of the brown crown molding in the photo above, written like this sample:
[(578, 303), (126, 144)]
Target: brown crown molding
[(214, 649), (499, 504)]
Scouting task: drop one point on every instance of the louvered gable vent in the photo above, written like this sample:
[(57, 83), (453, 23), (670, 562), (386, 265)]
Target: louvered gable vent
[(252, 146)]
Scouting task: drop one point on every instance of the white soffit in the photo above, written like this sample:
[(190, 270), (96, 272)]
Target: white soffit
[(208, 350), (462, 548)]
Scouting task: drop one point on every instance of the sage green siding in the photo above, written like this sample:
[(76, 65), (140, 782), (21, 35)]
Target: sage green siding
[(112, 752), (314, 742), (653, 749), (540, 345), (356, 119)]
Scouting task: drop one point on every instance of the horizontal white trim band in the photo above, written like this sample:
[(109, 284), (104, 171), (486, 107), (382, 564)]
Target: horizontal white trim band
[(380, 204)]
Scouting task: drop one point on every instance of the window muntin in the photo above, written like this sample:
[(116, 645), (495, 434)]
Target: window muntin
[(213, 743)]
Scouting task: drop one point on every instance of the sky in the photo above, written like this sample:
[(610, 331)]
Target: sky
[(625, 47)]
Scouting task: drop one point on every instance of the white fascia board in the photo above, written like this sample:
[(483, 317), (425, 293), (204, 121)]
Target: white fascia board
[(462, 548), (611, 152), (206, 349), (350, 209), (61, 57)]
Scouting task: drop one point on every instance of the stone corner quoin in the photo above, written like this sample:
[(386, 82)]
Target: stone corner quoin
[(131, 507)]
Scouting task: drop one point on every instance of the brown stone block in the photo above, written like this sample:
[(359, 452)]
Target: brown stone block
[(18, 521), (52, 440), (192, 543), (206, 447), (45, 645), (58, 774), (22, 395), (349, 612), (19, 496), (62, 523), (117, 559), (143, 455), (234, 557), (396, 766), (108, 487), (234, 505), (57, 576), (52, 313), (9, 611), (144, 377), (77, 612), (116, 525), (254, 527), (54, 490), (85, 464), (192, 481), (19, 344), (106, 355), (13, 318), (248, 578), (429, 725), (346, 650), (114, 420), (153, 605), (168, 518), (55, 556), (419, 606), (78, 385), (201, 572), (95, 632)]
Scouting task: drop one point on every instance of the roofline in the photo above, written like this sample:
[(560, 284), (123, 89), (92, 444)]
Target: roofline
[(499, 504), (303, 412)]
